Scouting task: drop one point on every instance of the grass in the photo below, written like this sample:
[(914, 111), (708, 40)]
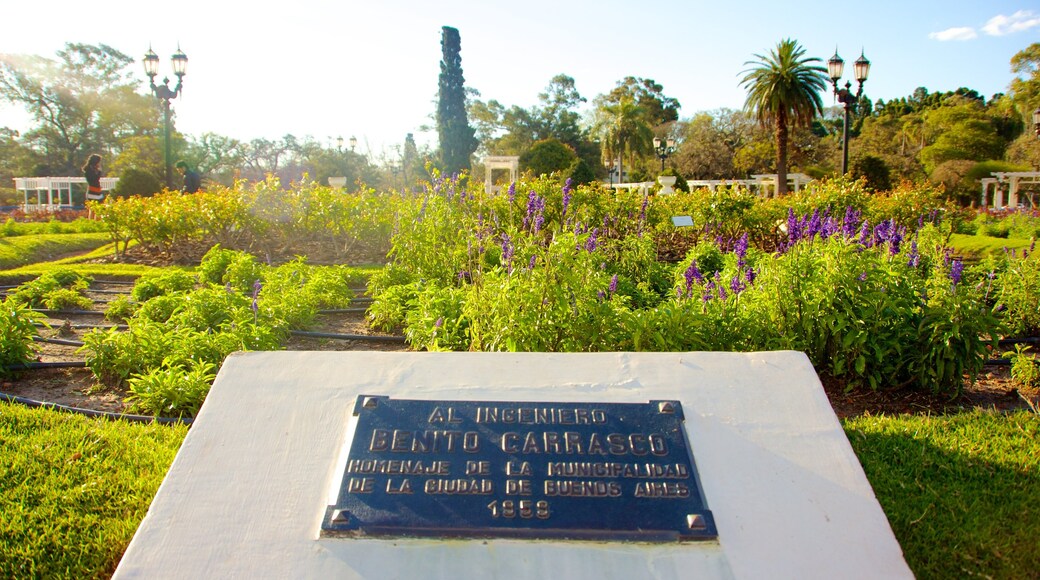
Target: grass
[(20, 250), (74, 489), (962, 492), (982, 246)]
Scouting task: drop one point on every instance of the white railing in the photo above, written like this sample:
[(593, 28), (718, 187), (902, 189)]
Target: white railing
[(53, 193)]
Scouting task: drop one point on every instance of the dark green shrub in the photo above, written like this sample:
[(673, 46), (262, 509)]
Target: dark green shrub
[(133, 181), (167, 282)]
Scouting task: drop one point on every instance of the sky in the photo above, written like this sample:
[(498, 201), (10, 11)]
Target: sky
[(343, 68)]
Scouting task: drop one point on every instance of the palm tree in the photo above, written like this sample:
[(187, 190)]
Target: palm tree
[(624, 129), (784, 90)]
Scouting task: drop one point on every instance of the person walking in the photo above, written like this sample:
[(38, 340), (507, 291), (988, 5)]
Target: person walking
[(192, 180), (92, 172)]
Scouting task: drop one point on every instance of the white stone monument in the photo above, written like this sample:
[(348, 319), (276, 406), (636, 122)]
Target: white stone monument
[(249, 490)]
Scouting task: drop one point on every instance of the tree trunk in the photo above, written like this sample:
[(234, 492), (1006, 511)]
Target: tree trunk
[(781, 153)]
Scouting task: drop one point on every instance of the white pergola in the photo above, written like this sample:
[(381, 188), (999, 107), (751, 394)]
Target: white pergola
[(1013, 180), (764, 184), (53, 193), (510, 163)]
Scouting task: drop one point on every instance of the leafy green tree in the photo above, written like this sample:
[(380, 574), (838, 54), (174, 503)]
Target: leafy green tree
[(457, 140), (623, 130), (580, 172), (558, 114), (706, 149), (547, 156), (216, 157), (16, 160), (873, 171), (784, 91), (1025, 87), (134, 181), (960, 129), (84, 102), (649, 96)]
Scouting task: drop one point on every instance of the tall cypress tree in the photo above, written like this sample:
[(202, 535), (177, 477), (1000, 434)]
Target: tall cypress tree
[(457, 138)]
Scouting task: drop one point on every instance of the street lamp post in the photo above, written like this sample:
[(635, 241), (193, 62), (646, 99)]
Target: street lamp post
[(663, 149), (835, 67), (151, 68), (611, 170)]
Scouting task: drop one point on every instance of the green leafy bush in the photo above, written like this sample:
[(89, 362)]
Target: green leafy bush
[(165, 282), (171, 392), (54, 287), (134, 181), (121, 308), (16, 336)]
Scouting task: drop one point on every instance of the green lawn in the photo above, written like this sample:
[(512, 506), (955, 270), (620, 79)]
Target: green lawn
[(74, 489), (982, 246), (961, 491), (21, 250)]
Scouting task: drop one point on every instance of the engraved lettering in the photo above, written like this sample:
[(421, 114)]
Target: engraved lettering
[(430, 441), (361, 485), (380, 440), (518, 487), (662, 489), (514, 468), (471, 442), (478, 468), (541, 416), (616, 470), (509, 442), (398, 467), (402, 486), (582, 488), (437, 416), (439, 486)]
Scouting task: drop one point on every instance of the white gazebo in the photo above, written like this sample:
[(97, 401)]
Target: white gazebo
[(1012, 180), (510, 163), (53, 193)]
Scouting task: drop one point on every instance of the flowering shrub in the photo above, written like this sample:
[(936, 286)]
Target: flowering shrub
[(871, 299)]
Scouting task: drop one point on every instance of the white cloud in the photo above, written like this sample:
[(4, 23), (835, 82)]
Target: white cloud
[(1001, 25), (959, 33)]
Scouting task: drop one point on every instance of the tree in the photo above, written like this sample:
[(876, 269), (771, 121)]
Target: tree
[(784, 91), (457, 141), (84, 102), (1025, 87), (623, 129), (558, 115), (547, 156), (873, 171), (649, 95)]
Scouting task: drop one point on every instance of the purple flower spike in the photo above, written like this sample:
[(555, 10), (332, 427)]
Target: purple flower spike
[(590, 244), (736, 285), (512, 192), (915, 256), (956, 271), (613, 284), (566, 198)]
